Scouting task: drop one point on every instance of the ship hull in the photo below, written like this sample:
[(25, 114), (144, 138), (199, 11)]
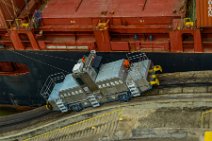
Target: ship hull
[(24, 89)]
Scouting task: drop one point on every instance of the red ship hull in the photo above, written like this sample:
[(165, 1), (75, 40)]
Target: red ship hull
[(69, 28), (109, 26)]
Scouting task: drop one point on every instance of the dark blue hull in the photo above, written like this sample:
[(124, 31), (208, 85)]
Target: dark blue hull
[(24, 90)]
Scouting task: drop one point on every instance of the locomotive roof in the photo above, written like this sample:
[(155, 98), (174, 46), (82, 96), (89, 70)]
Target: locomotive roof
[(69, 83), (109, 71), (54, 94), (140, 69)]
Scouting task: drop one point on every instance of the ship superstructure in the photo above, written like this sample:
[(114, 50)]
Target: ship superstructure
[(41, 37), (111, 25)]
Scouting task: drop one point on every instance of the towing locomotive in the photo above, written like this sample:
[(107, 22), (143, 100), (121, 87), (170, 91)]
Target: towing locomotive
[(92, 83)]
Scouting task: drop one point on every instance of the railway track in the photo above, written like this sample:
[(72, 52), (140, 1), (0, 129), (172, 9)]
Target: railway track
[(32, 114), (90, 126), (102, 123), (182, 86)]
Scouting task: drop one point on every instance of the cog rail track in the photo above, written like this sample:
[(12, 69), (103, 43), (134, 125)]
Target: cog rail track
[(196, 84)]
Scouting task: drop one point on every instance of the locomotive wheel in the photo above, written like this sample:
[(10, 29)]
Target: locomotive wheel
[(49, 106), (124, 97), (77, 107)]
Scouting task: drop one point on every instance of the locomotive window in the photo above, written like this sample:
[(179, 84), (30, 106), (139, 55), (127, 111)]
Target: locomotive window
[(113, 97), (108, 84), (100, 86), (86, 89), (69, 94), (103, 85), (77, 92), (80, 91), (73, 93)]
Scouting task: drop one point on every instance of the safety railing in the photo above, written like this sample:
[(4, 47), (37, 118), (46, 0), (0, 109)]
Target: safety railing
[(136, 56), (50, 83)]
